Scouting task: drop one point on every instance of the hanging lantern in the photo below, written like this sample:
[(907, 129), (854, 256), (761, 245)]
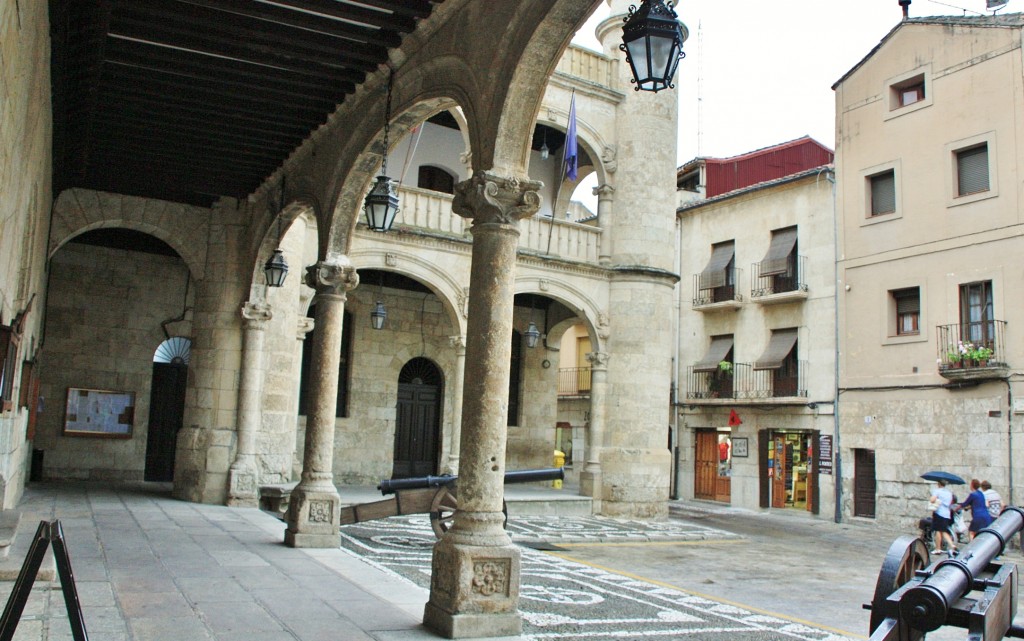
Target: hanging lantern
[(532, 335), (378, 315), (276, 269), (381, 204), (652, 38)]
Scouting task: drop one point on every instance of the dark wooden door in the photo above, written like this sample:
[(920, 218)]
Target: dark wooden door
[(781, 471), (864, 483), (418, 420), (705, 465), (166, 408)]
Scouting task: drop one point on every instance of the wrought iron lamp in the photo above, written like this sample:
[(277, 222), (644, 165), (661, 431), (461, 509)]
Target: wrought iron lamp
[(544, 151), (379, 313), (381, 204), (276, 268), (652, 38), (532, 334)]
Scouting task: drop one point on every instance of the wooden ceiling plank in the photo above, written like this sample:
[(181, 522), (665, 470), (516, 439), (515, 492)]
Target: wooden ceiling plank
[(111, 129), (285, 142), (354, 13)]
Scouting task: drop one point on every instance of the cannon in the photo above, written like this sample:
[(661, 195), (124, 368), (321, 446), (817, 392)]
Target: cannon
[(433, 495), (974, 591)]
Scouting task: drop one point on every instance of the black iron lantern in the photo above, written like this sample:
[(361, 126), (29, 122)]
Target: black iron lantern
[(276, 269), (381, 204), (652, 38), (532, 334), (378, 315)]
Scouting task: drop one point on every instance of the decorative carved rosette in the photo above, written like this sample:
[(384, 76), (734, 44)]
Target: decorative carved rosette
[(486, 198)]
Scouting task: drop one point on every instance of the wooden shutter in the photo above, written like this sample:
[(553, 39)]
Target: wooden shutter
[(779, 347), (776, 261), (714, 274), (719, 349), (972, 170)]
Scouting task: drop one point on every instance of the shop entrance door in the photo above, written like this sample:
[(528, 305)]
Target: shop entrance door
[(792, 470)]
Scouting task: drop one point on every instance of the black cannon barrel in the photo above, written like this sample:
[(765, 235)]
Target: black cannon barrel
[(531, 476), (390, 486), (926, 606)]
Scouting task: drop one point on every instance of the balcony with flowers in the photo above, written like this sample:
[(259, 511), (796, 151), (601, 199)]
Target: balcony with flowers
[(972, 351)]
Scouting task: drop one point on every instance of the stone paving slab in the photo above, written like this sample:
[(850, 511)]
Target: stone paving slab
[(570, 601)]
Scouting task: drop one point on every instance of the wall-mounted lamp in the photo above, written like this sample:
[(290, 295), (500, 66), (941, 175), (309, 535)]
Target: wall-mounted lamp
[(544, 151), (652, 38), (381, 204)]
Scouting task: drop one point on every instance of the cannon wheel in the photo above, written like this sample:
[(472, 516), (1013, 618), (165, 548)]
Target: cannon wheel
[(905, 557), (442, 510)]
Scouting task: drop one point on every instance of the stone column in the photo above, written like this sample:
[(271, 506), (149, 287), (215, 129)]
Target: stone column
[(313, 511), (605, 194), (243, 477), (590, 477), (459, 343), (474, 589), (303, 327)]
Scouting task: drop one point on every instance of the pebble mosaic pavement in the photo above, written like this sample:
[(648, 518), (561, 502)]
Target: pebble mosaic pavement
[(569, 601)]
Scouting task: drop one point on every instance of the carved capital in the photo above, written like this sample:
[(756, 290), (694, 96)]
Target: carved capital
[(604, 192), (335, 275), (256, 313), (458, 343), (598, 360), (486, 198), (303, 327)]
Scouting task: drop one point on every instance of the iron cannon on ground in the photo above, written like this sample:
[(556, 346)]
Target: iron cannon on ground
[(973, 590), (433, 495)]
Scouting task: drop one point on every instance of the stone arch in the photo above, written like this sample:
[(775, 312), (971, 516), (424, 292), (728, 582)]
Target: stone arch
[(447, 290), (587, 137), (183, 227), (585, 308), (299, 208)]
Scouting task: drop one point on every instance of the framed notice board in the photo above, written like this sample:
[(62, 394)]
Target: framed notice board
[(104, 413)]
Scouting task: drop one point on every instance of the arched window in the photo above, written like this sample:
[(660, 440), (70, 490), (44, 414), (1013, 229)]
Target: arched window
[(436, 179)]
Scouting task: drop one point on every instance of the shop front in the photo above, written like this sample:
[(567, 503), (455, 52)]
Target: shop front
[(789, 469)]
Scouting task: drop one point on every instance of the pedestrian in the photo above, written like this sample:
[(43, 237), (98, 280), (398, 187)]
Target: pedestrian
[(992, 499), (975, 502), (942, 518)]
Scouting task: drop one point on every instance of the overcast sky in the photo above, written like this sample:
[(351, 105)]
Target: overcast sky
[(767, 67)]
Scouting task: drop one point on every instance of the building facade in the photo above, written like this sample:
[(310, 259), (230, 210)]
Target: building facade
[(928, 203), (755, 406)]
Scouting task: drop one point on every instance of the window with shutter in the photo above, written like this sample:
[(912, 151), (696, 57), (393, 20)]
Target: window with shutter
[(972, 170), (883, 193), (908, 310)]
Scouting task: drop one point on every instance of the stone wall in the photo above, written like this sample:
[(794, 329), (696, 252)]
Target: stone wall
[(103, 325)]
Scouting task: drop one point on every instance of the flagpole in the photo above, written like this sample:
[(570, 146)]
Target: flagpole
[(570, 149)]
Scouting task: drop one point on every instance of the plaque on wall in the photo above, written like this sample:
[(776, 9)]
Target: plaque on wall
[(92, 412)]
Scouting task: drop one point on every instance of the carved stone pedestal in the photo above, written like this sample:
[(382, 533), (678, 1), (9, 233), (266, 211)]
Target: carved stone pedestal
[(313, 517), (489, 566)]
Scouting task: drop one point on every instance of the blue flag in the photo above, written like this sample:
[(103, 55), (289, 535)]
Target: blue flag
[(570, 142)]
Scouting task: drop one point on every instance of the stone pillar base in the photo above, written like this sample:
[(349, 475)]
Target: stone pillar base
[(314, 516), (590, 485), (242, 491), (474, 589), (466, 626)]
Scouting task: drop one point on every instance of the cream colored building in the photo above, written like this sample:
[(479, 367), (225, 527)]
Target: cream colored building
[(929, 207), (754, 409)]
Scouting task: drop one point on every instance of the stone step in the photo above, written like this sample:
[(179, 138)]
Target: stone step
[(538, 501)]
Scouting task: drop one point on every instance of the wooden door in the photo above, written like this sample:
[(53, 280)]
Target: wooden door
[(706, 465), (418, 420), (864, 483), (166, 409), (780, 473)]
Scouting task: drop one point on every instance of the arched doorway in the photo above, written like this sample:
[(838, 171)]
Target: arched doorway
[(418, 419), (166, 406)]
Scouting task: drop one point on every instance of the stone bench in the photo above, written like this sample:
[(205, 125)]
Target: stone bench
[(274, 498)]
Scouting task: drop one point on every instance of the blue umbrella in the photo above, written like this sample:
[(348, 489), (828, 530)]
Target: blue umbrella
[(943, 476)]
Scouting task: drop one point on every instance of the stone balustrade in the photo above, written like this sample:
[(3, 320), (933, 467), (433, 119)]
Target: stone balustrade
[(588, 65)]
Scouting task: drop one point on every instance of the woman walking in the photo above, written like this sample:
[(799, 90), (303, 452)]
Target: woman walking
[(942, 518)]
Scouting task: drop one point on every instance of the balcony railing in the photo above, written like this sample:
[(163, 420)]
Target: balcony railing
[(431, 210), (790, 282), (573, 381), (588, 65), (746, 383), (971, 346), (712, 295)]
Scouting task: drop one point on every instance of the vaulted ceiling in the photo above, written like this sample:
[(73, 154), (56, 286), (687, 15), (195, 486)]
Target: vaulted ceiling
[(190, 100)]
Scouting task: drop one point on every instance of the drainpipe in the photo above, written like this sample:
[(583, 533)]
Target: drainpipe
[(1009, 440), (676, 472), (837, 458)]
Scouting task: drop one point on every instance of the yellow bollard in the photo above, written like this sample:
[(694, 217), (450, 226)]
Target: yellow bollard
[(559, 462)]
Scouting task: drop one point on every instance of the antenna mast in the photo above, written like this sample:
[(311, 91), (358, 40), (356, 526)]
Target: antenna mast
[(700, 87)]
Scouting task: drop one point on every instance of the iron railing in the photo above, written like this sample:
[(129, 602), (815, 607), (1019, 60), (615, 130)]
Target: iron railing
[(978, 344), (711, 295), (573, 381), (746, 383), (792, 280)]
